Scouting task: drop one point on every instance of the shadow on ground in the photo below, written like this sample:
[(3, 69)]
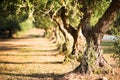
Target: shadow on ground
[(23, 48), (29, 54), (6, 62), (46, 75), (25, 37)]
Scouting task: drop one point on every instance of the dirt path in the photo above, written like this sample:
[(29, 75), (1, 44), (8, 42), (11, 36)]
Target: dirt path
[(31, 57)]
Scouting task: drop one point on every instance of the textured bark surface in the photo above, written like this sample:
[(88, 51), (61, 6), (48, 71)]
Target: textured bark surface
[(83, 30), (93, 59), (68, 37), (79, 44), (70, 34)]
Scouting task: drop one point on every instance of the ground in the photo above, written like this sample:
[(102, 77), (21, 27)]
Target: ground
[(33, 57)]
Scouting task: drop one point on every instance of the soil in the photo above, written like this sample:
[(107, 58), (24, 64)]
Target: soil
[(33, 57)]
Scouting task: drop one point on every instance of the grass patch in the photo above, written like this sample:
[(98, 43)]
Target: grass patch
[(107, 43), (25, 26), (107, 46), (108, 50)]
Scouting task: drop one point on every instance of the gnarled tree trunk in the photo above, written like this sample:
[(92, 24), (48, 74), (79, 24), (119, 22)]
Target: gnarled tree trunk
[(68, 31), (93, 57), (83, 31), (68, 38)]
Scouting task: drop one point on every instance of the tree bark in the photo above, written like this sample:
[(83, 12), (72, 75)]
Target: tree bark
[(93, 59), (68, 31), (68, 38), (83, 30), (58, 35), (59, 39)]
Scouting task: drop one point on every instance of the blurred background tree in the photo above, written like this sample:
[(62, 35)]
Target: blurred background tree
[(15, 16)]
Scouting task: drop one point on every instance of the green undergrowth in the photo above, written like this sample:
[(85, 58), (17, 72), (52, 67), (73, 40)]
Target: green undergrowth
[(107, 46), (25, 26)]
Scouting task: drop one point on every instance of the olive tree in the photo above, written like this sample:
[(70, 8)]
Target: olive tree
[(85, 39)]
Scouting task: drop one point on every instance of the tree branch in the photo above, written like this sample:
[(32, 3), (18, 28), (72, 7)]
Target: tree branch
[(108, 17), (105, 21)]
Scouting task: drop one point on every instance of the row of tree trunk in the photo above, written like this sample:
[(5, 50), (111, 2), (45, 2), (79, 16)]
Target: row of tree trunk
[(85, 41)]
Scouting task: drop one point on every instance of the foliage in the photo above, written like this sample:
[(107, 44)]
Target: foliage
[(116, 54), (9, 26), (43, 22), (26, 25), (16, 15), (53, 7), (8, 7), (108, 46), (98, 8), (115, 29)]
